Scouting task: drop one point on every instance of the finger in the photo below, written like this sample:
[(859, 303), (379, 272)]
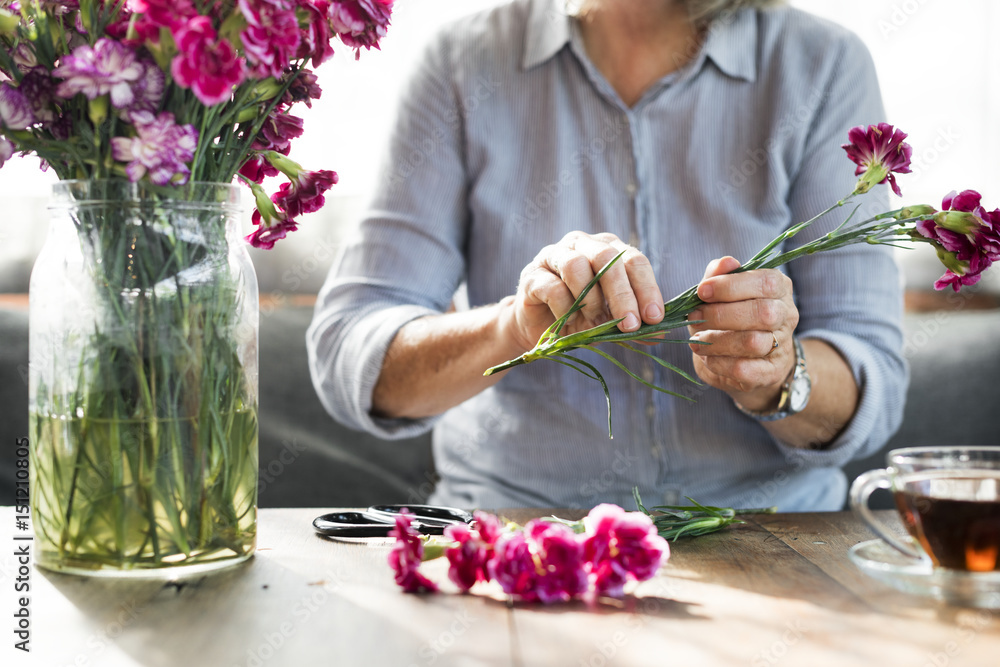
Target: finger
[(575, 268), (752, 315), (616, 285), (759, 284), (541, 287), (721, 266), (743, 344), (745, 375)]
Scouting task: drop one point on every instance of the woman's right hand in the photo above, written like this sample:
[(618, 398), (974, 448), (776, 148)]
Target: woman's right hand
[(551, 282)]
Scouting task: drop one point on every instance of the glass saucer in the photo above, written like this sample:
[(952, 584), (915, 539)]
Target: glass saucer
[(968, 589)]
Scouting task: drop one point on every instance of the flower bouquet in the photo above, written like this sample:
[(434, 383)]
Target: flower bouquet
[(965, 235), (143, 315)]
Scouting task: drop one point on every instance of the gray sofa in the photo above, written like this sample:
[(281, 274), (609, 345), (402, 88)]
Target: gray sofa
[(308, 460)]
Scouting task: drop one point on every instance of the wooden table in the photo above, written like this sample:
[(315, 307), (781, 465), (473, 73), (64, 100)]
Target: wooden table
[(778, 590)]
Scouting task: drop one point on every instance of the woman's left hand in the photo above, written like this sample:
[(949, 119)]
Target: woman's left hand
[(745, 314)]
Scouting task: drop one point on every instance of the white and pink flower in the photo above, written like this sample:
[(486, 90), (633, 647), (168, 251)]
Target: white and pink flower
[(161, 149)]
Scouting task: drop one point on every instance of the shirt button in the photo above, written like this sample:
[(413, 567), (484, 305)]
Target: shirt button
[(631, 189), (647, 374)]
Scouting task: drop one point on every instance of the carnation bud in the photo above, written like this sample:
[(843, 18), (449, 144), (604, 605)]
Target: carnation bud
[(875, 174), (951, 261), (918, 211), (961, 222), (97, 109), (286, 166)]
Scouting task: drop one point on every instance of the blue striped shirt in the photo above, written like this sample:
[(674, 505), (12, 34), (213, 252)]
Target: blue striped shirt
[(507, 138)]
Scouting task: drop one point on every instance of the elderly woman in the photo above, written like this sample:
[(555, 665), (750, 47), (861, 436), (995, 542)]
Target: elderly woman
[(532, 146)]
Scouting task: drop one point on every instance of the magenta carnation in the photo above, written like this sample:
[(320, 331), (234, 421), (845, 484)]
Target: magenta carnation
[(561, 575), (360, 23), (880, 152), (468, 558), (514, 568), (277, 132), (109, 68), (304, 194), (206, 64), (271, 37), (621, 545), (316, 37), (967, 238), (161, 148), (406, 555), (264, 236)]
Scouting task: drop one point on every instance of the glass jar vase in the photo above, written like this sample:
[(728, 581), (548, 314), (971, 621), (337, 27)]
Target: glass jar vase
[(143, 381)]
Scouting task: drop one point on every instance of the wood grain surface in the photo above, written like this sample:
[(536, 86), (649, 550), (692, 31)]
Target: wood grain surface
[(778, 590)]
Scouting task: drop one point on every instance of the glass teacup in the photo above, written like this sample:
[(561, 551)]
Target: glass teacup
[(949, 500)]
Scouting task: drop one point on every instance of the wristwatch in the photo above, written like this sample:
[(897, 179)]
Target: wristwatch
[(794, 393)]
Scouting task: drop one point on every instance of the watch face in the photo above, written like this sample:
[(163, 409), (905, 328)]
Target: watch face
[(799, 394)]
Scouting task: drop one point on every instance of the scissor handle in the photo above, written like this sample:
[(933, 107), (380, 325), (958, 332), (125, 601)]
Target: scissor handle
[(350, 524), (427, 515)]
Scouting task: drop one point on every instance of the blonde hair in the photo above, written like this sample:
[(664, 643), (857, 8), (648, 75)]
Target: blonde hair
[(701, 12)]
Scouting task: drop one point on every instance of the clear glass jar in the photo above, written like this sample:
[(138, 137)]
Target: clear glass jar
[(143, 381)]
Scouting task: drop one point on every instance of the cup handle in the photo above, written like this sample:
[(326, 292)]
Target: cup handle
[(861, 489)]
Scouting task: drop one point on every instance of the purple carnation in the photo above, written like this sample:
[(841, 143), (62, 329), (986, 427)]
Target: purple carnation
[(161, 148), (6, 149), (109, 67), (15, 108), (966, 236)]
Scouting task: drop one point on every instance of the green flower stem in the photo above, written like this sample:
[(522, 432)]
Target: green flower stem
[(882, 229)]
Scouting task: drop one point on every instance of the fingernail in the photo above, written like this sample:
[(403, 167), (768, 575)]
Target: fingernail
[(706, 292), (630, 322), (653, 312)]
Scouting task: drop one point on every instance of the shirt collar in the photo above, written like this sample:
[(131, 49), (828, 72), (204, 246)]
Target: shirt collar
[(547, 31), (731, 43)]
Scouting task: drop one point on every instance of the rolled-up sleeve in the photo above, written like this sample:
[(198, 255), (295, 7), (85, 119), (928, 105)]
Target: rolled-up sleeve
[(404, 262), (851, 297)]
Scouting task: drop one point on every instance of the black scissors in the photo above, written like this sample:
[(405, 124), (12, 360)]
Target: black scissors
[(378, 520)]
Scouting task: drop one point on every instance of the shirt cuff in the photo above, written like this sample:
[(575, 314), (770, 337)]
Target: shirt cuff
[(878, 413), (346, 384)]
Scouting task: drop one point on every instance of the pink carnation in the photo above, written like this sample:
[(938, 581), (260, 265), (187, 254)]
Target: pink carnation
[(316, 37), (621, 545), (406, 556), (271, 37), (360, 23), (206, 64)]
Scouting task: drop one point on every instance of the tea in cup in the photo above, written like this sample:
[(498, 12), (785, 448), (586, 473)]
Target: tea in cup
[(949, 501)]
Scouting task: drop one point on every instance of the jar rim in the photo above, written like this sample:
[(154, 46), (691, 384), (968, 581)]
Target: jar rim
[(73, 192)]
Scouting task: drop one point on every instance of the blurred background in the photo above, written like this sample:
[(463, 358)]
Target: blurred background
[(938, 64), (939, 67)]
